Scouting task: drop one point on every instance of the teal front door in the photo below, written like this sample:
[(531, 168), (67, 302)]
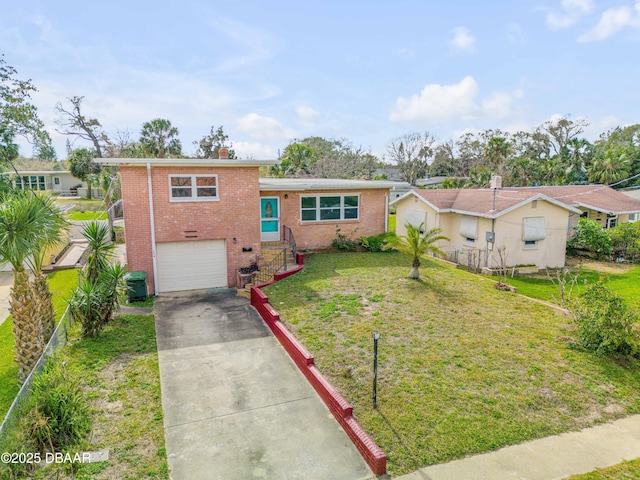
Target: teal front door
[(269, 219)]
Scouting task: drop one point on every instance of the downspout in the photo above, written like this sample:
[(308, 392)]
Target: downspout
[(493, 233), (386, 212), (153, 231)]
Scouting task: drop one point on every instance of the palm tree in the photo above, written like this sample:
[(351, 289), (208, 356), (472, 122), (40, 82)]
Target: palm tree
[(417, 245), (159, 139), (29, 224)]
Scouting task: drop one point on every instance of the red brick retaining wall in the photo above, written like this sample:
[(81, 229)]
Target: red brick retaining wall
[(339, 407)]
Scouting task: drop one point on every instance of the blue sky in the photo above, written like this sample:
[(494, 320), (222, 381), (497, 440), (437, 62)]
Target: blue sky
[(367, 71)]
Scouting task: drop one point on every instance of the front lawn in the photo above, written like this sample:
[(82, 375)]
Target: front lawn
[(61, 283), (623, 280), (80, 215), (463, 368)]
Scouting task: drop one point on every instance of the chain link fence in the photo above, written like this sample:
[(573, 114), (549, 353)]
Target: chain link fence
[(56, 342)]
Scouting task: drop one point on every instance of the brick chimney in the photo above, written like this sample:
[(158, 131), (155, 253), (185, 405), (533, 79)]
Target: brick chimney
[(496, 182), (223, 153)]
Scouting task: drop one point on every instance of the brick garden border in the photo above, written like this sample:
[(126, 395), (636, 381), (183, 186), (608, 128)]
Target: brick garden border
[(337, 404)]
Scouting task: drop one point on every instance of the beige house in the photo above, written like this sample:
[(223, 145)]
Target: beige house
[(531, 226), (601, 203)]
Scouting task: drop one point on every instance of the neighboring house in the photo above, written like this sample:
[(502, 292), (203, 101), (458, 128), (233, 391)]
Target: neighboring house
[(59, 182), (601, 203), (192, 223), (531, 223), (430, 182), (633, 193), (531, 226)]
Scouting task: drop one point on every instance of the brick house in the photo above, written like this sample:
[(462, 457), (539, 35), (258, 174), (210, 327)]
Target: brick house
[(192, 223)]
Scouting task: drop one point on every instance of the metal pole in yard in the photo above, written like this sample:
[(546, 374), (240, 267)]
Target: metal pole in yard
[(376, 337)]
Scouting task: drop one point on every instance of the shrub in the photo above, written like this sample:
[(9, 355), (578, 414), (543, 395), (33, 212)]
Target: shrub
[(343, 242), (93, 302), (58, 414), (376, 243), (590, 235), (605, 323), (625, 240)]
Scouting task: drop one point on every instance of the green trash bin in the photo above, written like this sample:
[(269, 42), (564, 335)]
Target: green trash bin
[(136, 286)]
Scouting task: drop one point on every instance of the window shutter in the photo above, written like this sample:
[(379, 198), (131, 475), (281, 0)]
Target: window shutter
[(469, 227), (415, 218), (533, 229)]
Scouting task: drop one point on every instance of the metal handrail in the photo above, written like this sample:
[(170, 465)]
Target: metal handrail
[(279, 262)]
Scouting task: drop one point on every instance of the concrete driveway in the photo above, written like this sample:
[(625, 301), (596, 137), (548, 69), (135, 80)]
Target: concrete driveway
[(235, 406)]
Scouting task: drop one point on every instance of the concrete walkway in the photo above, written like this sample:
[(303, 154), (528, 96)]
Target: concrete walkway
[(6, 282), (548, 458), (235, 406)]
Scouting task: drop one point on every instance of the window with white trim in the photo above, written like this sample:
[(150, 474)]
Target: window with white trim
[(193, 188), (318, 208), (32, 182)]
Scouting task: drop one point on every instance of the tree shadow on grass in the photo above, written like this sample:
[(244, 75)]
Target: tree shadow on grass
[(402, 443)]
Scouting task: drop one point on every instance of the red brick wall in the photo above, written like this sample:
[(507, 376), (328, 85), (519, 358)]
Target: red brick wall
[(320, 234), (236, 214)]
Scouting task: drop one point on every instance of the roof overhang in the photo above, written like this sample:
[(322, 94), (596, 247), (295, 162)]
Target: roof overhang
[(305, 184), (604, 210), (183, 162), (497, 214)]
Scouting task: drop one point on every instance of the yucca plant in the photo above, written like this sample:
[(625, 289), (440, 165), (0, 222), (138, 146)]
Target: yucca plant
[(99, 249), (417, 245)]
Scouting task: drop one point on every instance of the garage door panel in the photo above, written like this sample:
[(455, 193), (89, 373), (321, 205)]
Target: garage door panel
[(191, 265)]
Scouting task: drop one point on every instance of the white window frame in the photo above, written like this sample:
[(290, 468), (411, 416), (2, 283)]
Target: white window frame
[(342, 207), (530, 245), (194, 188)]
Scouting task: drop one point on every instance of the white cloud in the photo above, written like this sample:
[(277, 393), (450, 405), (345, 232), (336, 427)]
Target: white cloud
[(515, 34), (612, 21), (462, 40), (252, 44), (255, 150), (457, 102), (572, 10), (265, 128), (307, 116)]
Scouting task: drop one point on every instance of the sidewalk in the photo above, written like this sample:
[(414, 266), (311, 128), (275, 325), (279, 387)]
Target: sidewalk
[(547, 458), (6, 282)]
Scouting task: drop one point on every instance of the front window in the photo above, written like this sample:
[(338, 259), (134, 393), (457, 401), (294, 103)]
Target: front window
[(329, 207), (193, 188), (31, 182)]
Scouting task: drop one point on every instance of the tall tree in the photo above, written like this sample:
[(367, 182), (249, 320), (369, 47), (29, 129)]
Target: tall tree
[(497, 152), (18, 117), (28, 224), (82, 166), (210, 145), (412, 153), (73, 122), (160, 139), (417, 245), (561, 130)]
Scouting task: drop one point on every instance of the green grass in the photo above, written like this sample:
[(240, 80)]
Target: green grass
[(463, 368), (86, 215), (623, 283), (392, 223), (61, 283), (119, 374), (622, 471)]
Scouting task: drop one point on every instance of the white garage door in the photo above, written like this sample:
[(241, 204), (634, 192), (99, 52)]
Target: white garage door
[(191, 265)]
